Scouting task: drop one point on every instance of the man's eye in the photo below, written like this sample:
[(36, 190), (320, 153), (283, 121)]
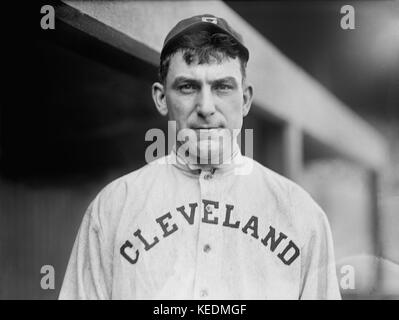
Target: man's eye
[(223, 87), (185, 88)]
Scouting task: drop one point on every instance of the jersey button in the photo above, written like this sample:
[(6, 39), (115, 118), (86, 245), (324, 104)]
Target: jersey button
[(203, 293), (207, 248), (208, 176)]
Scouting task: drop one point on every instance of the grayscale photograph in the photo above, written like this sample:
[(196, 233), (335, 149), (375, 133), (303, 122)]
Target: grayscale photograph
[(201, 150)]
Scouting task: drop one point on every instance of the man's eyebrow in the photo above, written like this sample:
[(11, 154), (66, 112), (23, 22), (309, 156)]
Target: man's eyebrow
[(225, 79), (181, 79), (184, 79)]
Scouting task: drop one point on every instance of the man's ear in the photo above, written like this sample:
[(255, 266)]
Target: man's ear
[(158, 95), (247, 101)]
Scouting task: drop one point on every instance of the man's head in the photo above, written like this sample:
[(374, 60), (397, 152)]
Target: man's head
[(202, 76)]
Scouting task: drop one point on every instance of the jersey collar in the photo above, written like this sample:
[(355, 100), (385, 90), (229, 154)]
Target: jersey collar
[(235, 161)]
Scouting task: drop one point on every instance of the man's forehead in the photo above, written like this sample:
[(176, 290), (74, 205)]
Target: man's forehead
[(227, 67)]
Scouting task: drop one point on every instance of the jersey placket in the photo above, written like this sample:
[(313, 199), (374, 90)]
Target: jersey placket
[(208, 264)]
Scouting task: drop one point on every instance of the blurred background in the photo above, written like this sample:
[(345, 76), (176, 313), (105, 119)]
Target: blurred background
[(77, 105)]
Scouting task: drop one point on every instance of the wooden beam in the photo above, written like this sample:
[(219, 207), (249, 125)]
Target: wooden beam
[(106, 33), (293, 152), (280, 148), (375, 225)]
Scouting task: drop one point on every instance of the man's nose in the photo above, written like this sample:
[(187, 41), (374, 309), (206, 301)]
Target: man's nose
[(205, 103)]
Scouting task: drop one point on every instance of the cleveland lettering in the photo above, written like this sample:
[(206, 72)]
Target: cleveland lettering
[(276, 242)]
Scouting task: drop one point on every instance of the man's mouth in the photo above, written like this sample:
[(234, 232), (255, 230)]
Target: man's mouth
[(206, 127)]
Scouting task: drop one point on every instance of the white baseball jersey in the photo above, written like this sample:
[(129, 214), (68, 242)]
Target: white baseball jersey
[(172, 231)]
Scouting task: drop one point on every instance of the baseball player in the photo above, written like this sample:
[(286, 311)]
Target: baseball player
[(185, 227)]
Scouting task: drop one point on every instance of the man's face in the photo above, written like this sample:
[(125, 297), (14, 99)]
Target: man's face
[(206, 96), (207, 100)]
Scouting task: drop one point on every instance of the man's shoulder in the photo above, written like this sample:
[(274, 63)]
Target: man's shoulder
[(140, 176), (274, 180), (303, 205), (133, 186)]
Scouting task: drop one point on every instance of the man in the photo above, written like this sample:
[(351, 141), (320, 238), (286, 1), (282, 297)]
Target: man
[(187, 226)]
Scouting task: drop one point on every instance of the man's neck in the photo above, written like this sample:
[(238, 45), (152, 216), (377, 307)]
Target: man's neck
[(223, 159)]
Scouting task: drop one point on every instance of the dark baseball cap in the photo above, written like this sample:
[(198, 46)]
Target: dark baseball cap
[(203, 22)]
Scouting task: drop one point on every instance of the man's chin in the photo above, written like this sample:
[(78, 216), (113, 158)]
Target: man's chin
[(208, 146), (210, 133)]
